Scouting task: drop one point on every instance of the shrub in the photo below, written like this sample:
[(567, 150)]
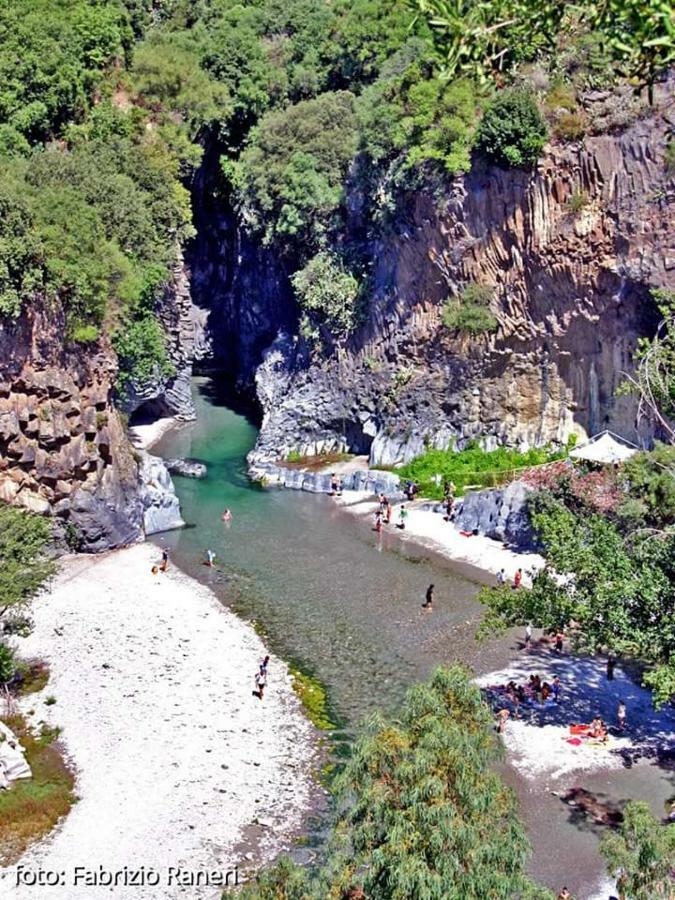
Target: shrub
[(470, 313), (141, 349), (670, 156), (7, 663), (570, 126), (328, 294), (512, 132), (578, 201), (471, 466)]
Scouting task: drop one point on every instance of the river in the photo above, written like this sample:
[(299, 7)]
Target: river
[(346, 608)]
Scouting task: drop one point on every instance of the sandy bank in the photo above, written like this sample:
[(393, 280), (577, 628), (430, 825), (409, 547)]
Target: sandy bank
[(144, 436), (176, 759), (538, 742), (431, 530)]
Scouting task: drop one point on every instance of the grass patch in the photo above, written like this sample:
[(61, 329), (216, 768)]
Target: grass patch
[(313, 463), (471, 467), (31, 808), (312, 695), (34, 676)]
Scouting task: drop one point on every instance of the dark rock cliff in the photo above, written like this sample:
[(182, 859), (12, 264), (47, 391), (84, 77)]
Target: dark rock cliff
[(571, 294), (63, 449)]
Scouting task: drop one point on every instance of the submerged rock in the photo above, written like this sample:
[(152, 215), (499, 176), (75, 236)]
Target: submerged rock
[(188, 468)]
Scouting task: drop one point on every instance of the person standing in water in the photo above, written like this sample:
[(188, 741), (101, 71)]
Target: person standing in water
[(227, 516), (388, 513), (210, 558), (378, 521), (165, 560), (528, 635), (402, 516), (428, 603)]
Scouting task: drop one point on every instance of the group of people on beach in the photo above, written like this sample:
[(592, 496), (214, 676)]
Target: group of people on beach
[(384, 512)]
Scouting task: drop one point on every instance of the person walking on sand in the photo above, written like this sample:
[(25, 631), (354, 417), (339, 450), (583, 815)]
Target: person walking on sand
[(261, 681), (428, 603), (528, 635), (501, 577), (165, 560), (621, 715), (402, 516), (518, 578)]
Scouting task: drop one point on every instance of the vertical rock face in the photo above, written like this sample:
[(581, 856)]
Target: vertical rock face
[(63, 450), (240, 288), (184, 327), (571, 251)]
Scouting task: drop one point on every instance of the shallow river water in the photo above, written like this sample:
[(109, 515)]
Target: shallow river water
[(346, 607)]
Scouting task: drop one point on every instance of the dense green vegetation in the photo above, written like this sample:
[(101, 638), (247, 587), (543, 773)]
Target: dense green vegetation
[(470, 312), (318, 109), (617, 567), (24, 569), (641, 855), (420, 810), (471, 466)]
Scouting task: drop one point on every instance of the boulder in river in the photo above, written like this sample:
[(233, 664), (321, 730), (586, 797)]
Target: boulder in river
[(188, 468)]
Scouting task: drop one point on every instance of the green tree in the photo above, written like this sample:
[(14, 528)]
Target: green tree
[(641, 855), (24, 568), (512, 132), (290, 177), (327, 293), (420, 810), (654, 379), (618, 591)]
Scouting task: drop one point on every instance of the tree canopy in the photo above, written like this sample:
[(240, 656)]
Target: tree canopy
[(421, 812)]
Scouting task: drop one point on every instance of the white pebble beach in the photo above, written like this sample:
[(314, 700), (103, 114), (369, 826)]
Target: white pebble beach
[(177, 763)]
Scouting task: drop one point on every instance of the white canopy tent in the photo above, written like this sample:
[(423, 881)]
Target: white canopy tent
[(605, 448)]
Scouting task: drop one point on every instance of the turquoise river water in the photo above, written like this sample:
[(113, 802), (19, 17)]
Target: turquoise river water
[(346, 607)]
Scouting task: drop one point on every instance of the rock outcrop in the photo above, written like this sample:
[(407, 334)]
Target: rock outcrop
[(184, 327), (188, 468), (161, 510), (499, 513), (63, 449), (571, 251)]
